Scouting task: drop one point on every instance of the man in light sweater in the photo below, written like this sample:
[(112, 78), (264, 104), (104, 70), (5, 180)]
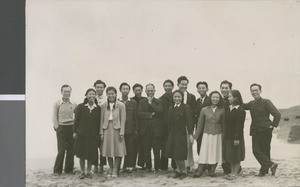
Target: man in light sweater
[(63, 121)]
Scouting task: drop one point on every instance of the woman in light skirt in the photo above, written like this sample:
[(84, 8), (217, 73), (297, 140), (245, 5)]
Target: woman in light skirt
[(212, 122), (112, 127)]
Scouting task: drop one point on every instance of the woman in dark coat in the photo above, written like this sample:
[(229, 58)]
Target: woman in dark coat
[(234, 136), (86, 132), (180, 126)]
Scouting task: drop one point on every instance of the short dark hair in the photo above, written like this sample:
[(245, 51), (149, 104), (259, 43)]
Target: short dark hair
[(182, 78), (203, 83), (111, 88), (137, 85), (99, 82), (169, 81), (65, 86), (180, 92), (226, 82), (150, 84), (210, 96), (124, 84), (237, 94), (255, 84)]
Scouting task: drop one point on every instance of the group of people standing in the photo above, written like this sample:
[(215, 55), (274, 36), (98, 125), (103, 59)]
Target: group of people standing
[(106, 128)]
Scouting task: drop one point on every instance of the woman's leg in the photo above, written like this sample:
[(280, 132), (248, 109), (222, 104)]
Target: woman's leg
[(82, 168), (236, 168), (178, 173), (212, 169), (89, 166), (82, 165), (110, 163), (199, 172), (117, 165)]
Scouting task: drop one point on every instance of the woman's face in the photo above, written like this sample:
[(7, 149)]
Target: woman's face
[(91, 96), (111, 95), (215, 99), (231, 99), (177, 98)]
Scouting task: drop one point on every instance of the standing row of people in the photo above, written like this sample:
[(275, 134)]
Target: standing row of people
[(134, 127)]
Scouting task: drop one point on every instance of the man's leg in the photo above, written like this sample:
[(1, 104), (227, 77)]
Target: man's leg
[(259, 143), (141, 152), (69, 164), (157, 145), (129, 142), (61, 148), (164, 159)]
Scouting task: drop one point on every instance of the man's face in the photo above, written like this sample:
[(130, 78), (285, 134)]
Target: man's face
[(150, 91), (66, 92), (125, 90), (225, 90), (255, 92), (183, 85), (99, 89), (168, 87), (138, 91), (202, 90)]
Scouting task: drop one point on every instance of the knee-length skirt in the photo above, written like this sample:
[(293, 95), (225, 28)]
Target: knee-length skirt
[(111, 146), (234, 154), (211, 149), (86, 147)]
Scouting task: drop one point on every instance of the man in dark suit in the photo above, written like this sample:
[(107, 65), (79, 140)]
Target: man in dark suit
[(150, 126), (225, 88), (261, 129), (138, 146), (131, 127), (167, 101), (190, 100), (202, 101)]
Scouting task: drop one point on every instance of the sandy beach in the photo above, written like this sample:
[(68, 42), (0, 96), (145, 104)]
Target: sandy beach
[(39, 173)]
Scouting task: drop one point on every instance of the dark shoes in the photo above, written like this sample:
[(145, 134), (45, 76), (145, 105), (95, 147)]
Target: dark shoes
[(82, 176), (183, 175), (89, 175), (274, 168), (260, 175), (177, 175), (197, 174), (56, 174)]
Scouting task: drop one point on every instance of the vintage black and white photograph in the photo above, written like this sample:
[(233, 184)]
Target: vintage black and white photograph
[(162, 93)]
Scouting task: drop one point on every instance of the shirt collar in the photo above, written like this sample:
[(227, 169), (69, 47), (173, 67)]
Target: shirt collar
[(232, 107), (61, 102), (121, 99), (177, 105), (91, 107)]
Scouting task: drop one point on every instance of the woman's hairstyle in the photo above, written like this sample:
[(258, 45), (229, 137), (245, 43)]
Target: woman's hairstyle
[(210, 96), (236, 94), (85, 101), (180, 92), (124, 84), (99, 82), (169, 81), (111, 88)]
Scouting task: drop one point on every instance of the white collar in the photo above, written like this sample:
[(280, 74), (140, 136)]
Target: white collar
[(100, 97), (91, 107), (94, 105), (120, 99), (177, 105), (202, 97), (61, 102), (232, 107)]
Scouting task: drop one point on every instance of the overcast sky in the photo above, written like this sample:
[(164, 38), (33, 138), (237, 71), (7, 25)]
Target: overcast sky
[(79, 41)]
